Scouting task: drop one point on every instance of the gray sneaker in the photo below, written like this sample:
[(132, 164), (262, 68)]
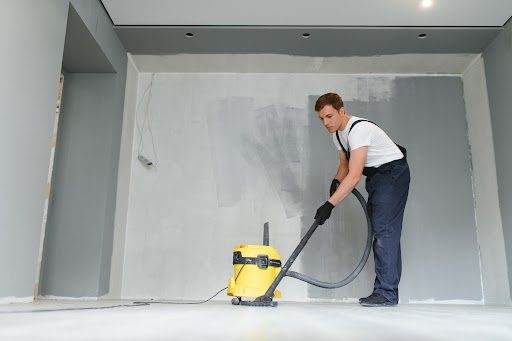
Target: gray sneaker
[(375, 300)]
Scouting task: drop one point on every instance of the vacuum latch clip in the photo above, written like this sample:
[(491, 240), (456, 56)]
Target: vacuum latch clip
[(262, 261)]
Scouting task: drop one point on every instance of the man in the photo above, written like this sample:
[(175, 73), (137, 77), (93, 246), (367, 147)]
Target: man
[(365, 149)]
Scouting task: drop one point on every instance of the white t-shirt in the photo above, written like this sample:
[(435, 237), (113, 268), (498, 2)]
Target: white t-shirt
[(381, 149)]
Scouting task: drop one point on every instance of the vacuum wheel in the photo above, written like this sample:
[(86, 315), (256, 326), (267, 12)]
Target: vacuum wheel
[(236, 300)]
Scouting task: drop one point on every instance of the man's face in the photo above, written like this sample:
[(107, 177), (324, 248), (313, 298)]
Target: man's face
[(331, 118)]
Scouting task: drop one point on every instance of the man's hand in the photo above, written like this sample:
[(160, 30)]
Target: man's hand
[(323, 213), (334, 186)]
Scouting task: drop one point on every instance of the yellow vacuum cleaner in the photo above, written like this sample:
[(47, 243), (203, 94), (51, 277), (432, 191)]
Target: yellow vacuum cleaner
[(258, 268), (261, 265)]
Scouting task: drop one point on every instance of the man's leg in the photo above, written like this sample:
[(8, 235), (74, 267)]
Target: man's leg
[(388, 193)]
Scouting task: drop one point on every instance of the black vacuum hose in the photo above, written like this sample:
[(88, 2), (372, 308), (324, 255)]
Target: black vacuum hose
[(359, 266)]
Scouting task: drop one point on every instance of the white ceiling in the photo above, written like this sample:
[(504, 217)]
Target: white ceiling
[(443, 13)]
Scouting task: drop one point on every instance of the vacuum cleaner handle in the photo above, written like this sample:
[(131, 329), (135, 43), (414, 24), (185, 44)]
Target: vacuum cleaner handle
[(270, 292)]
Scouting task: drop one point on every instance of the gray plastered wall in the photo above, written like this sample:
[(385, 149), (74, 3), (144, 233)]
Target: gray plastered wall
[(251, 145), (79, 233), (498, 69), (29, 93)]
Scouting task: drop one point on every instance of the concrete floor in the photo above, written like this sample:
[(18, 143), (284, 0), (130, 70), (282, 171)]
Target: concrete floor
[(220, 320)]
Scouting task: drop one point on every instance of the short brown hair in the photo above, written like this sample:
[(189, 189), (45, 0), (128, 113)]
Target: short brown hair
[(329, 99)]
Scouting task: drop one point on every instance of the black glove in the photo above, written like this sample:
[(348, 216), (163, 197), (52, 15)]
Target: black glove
[(323, 213), (334, 186)]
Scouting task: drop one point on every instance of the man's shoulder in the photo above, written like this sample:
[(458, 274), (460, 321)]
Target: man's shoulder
[(361, 124)]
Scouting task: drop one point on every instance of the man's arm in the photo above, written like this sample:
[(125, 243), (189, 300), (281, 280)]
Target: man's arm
[(353, 176), (343, 167)]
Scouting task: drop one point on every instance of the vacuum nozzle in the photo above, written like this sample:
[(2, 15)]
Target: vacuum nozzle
[(261, 301)]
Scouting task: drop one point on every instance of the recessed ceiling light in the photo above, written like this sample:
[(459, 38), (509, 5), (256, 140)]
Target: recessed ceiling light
[(305, 35), (189, 35), (422, 36), (426, 3)]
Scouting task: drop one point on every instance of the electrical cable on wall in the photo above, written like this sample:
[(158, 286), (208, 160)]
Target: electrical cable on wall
[(147, 118)]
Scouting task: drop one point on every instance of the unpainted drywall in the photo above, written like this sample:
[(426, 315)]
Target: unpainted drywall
[(236, 150), (498, 70)]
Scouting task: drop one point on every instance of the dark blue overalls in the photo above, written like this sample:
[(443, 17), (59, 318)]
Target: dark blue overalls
[(388, 188)]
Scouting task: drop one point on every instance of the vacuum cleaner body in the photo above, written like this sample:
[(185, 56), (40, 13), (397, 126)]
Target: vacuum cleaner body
[(255, 268)]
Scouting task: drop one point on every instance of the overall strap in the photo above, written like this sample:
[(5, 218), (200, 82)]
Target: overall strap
[(347, 154), (402, 149), (358, 121)]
